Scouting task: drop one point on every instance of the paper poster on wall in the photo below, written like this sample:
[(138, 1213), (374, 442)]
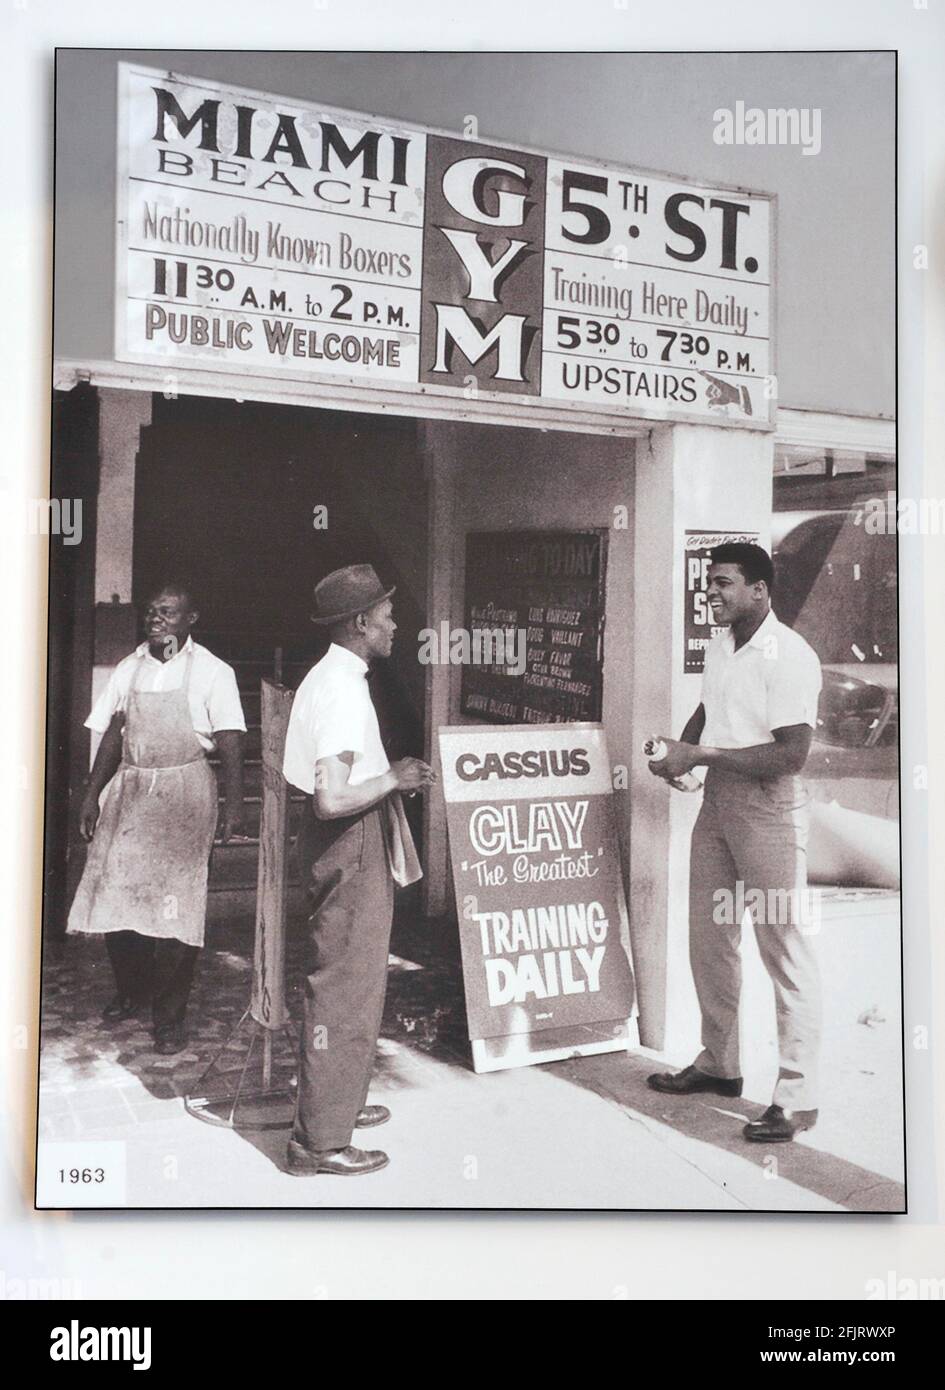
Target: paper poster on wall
[(536, 873), (698, 627)]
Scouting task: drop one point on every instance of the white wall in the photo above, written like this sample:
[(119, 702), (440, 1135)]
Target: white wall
[(688, 477)]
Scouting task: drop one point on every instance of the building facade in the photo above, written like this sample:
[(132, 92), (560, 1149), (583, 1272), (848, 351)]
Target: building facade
[(255, 481)]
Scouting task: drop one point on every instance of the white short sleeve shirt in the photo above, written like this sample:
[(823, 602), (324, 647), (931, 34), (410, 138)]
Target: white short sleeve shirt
[(212, 694), (332, 714), (772, 682)]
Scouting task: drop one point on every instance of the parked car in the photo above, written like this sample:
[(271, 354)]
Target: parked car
[(836, 584)]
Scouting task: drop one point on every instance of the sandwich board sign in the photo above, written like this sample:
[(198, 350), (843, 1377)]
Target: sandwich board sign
[(539, 897)]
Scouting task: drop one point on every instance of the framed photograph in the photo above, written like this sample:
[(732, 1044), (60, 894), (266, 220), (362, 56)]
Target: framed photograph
[(472, 745)]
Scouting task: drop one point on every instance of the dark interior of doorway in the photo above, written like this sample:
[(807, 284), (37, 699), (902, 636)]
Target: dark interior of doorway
[(226, 499)]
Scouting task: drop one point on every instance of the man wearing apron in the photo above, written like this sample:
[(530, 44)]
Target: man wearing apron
[(354, 845), (145, 880)]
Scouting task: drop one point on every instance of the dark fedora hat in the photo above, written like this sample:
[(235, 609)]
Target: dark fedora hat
[(343, 593)]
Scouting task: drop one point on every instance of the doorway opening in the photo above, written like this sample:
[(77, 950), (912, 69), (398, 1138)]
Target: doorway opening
[(251, 504)]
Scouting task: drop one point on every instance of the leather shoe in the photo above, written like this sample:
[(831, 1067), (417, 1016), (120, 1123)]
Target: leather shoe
[(170, 1039), (348, 1162), (121, 1007), (372, 1115), (691, 1080), (778, 1126)]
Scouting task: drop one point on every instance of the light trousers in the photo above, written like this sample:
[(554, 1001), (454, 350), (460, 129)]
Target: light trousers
[(749, 851)]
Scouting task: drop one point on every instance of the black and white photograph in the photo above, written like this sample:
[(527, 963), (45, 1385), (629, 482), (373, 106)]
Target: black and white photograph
[(473, 518), (472, 734)]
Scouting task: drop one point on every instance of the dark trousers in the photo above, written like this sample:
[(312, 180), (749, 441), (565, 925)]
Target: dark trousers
[(345, 867), (159, 969)]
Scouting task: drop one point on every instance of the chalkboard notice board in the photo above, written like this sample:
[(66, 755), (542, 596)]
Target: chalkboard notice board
[(544, 590)]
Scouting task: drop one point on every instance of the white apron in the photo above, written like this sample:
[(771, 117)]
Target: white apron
[(146, 869)]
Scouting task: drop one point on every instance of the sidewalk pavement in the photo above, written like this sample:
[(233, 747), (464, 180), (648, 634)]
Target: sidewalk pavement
[(582, 1133)]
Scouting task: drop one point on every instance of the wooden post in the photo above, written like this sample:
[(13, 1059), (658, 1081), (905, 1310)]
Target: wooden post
[(268, 1005)]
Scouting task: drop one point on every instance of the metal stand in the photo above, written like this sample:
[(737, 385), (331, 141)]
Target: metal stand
[(201, 1105), (266, 1013)]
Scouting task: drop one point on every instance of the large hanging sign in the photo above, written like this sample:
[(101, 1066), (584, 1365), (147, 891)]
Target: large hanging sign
[(539, 898), (272, 237)]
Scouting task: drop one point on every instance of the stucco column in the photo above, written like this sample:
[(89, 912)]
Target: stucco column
[(687, 477), (123, 416), (440, 470)]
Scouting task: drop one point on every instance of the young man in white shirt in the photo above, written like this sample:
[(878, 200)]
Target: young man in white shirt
[(145, 879), (752, 731), (354, 844)]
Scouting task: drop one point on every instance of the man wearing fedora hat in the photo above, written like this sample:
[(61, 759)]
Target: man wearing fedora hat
[(354, 845)]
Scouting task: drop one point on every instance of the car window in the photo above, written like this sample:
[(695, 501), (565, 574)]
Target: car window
[(836, 584)]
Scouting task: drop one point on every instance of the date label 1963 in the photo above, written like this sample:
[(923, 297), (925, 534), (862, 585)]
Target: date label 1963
[(81, 1174)]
